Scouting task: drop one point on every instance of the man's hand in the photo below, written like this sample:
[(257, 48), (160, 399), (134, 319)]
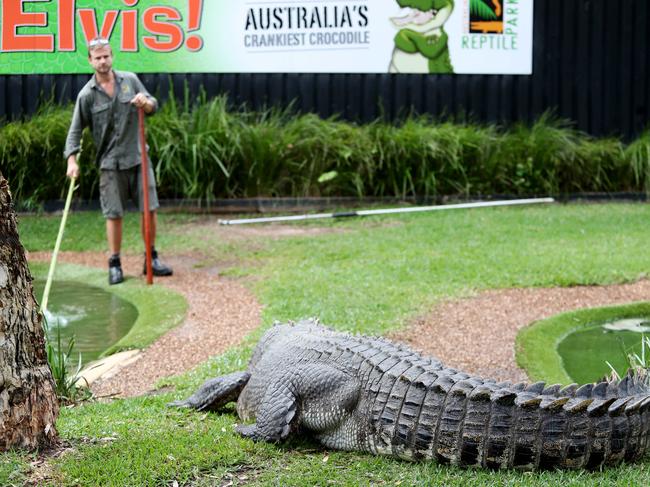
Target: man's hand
[(141, 101), (73, 167)]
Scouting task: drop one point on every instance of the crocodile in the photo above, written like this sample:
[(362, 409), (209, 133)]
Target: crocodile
[(361, 393)]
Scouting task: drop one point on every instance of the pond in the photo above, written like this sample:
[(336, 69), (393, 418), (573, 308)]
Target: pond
[(96, 318), (586, 351)]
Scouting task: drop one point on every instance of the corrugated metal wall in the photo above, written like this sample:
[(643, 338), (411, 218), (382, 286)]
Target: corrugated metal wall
[(591, 62)]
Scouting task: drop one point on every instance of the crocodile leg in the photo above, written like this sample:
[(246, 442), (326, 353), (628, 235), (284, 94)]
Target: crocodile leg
[(215, 393), (315, 396)]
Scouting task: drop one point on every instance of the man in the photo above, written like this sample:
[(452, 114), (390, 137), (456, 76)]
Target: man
[(108, 105)]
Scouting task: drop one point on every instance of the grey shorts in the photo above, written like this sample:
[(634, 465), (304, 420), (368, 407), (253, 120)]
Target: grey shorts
[(116, 188)]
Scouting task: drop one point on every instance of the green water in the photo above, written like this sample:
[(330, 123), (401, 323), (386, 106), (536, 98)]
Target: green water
[(585, 351), (96, 318)]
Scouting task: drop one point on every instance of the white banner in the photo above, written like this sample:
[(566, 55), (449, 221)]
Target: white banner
[(377, 36), (271, 36)]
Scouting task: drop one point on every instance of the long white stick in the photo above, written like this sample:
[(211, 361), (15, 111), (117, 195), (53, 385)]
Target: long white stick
[(415, 209), (57, 246)]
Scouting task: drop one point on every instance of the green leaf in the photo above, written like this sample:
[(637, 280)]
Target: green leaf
[(327, 176), (481, 9)]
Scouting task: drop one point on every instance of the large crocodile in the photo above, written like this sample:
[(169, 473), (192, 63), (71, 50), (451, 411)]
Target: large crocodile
[(372, 395)]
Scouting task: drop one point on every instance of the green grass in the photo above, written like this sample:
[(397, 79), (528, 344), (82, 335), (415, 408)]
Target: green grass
[(368, 275), (380, 272), (537, 345), (85, 231), (159, 309), (14, 467)]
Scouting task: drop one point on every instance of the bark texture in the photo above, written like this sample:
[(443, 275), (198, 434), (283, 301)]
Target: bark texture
[(28, 402)]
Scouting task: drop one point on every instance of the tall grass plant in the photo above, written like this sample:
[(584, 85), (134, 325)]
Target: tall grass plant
[(70, 387), (207, 149), (637, 155)]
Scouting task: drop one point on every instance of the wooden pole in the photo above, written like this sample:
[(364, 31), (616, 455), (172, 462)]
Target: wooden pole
[(145, 196)]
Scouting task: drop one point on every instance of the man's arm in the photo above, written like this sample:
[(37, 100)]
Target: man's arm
[(73, 141)]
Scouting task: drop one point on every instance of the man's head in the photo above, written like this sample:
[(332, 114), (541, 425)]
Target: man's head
[(100, 55)]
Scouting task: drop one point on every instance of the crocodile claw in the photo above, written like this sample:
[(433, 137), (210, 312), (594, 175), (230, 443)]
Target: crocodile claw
[(249, 431), (178, 404)]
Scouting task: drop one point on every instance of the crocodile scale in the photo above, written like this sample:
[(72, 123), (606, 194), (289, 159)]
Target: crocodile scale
[(360, 393)]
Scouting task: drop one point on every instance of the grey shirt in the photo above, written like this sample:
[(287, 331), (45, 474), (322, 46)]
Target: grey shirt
[(112, 121)]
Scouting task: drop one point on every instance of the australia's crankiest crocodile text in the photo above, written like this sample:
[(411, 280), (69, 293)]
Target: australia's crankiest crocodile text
[(307, 25), (372, 395)]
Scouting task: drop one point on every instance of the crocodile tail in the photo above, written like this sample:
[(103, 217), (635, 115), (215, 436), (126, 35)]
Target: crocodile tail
[(538, 427), (468, 421)]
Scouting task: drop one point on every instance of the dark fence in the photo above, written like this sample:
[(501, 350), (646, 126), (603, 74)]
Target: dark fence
[(590, 64)]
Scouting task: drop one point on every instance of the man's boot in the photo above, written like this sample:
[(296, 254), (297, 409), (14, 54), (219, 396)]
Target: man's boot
[(159, 269), (115, 275)]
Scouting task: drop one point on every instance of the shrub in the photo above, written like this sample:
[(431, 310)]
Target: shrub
[(207, 149)]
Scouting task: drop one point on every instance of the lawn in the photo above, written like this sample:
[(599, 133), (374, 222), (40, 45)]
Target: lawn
[(363, 275)]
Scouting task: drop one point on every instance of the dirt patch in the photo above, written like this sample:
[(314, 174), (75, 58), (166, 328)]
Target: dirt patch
[(477, 334), (41, 471)]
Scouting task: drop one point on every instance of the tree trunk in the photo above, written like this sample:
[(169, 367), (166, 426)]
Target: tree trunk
[(28, 403)]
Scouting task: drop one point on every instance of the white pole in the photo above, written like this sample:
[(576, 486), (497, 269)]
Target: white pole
[(57, 245), (415, 209)]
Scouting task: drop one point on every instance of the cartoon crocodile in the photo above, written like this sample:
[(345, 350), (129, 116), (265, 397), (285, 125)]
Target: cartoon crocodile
[(421, 43)]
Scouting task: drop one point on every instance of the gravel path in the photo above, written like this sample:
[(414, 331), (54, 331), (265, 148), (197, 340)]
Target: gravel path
[(475, 334)]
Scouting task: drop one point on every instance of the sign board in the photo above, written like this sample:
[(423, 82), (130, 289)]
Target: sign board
[(270, 36)]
